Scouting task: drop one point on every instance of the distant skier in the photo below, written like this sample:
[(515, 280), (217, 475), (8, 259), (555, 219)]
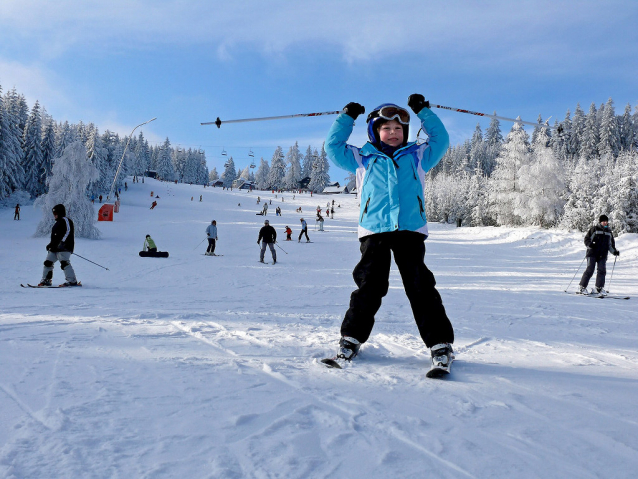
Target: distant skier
[(149, 245), (60, 248), (16, 215), (304, 230), (200, 198), (288, 234), (269, 235), (390, 174), (153, 205), (211, 233), (599, 241), (320, 220), (265, 210)]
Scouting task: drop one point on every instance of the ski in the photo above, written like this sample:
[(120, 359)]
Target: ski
[(50, 287), (204, 254), (331, 363), (598, 296)]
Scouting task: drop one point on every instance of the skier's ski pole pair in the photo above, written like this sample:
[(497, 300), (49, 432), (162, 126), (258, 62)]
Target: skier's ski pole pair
[(218, 122)]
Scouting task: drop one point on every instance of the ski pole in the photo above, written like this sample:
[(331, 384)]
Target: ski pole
[(612, 273), (560, 129), (219, 122), (91, 261), (199, 244), (570, 283), (280, 247)]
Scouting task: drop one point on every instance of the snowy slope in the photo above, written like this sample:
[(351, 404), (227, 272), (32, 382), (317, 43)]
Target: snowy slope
[(197, 366)]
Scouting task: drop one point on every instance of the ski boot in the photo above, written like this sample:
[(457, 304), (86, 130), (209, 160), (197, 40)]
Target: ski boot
[(442, 357), (582, 290), (69, 283), (45, 282), (348, 349), (599, 291)]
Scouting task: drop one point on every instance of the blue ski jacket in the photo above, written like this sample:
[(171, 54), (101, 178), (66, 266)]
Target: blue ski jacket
[(390, 190)]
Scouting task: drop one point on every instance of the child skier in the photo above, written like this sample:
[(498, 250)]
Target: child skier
[(60, 249), (211, 234), (390, 179), (288, 234)]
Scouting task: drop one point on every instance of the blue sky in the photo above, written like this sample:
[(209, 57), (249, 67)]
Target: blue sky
[(120, 63)]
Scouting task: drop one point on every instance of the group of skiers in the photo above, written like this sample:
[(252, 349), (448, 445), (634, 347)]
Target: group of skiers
[(390, 180)]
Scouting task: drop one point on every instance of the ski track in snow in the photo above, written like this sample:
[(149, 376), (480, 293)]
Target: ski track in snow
[(209, 367)]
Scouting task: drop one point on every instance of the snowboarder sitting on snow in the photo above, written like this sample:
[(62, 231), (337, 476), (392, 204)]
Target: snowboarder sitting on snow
[(269, 235), (60, 248), (599, 241), (288, 233), (149, 245), (390, 175), (211, 233)]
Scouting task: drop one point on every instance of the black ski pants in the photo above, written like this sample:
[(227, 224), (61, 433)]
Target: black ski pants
[(211, 245), (303, 232), (600, 264), (372, 278)]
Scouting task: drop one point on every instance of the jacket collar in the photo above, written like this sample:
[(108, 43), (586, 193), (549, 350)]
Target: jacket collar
[(369, 149)]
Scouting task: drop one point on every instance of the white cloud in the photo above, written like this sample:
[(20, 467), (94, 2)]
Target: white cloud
[(32, 81)]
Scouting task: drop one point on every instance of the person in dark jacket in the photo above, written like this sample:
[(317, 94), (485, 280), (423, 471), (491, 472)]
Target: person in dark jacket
[(16, 215), (60, 248), (599, 241), (269, 235)]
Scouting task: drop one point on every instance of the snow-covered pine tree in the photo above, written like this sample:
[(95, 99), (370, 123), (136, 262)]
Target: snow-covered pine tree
[(494, 141), (578, 130), (583, 185), (230, 174), (142, 156), (213, 175), (178, 157), (609, 144), (478, 150), (542, 186), (98, 156), (293, 175), (64, 137), (261, 177), (48, 149), (306, 166), (627, 130), (505, 190), (11, 143), (71, 175), (320, 177), (277, 171), (164, 165), (33, 160), (591, 138)]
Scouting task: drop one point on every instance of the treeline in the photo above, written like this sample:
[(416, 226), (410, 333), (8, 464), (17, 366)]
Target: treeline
[(31, 141), (285, 172), (566, 176)]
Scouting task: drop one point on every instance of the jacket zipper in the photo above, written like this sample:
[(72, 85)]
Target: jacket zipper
[(365, 210), (421, 207)]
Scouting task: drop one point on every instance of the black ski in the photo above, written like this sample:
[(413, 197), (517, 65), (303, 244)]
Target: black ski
[(331, 363), (50, 287), (598, 296), (204, 254)]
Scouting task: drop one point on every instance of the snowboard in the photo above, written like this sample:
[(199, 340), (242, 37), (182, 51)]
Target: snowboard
[(59, 286), (156, 254)]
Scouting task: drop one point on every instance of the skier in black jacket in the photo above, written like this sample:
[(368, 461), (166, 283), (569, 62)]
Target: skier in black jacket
[(599, 241), (269, 235), (60, 248)]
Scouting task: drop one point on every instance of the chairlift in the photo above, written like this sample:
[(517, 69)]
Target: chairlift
[(224, 152), (253, 165), (250, 153)]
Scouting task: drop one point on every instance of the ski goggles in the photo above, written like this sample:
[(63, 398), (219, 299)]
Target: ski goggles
[(391, 113)]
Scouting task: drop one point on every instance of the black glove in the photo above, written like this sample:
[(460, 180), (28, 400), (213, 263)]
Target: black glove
[(49, 247), (616, 253), (353, 110), (61, 246), (417, 102)]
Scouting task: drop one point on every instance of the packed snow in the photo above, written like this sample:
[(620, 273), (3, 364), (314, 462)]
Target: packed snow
[(196, 366)]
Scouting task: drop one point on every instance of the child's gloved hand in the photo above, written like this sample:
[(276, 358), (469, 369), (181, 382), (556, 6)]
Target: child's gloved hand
[(417, 102), (353, 110)]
